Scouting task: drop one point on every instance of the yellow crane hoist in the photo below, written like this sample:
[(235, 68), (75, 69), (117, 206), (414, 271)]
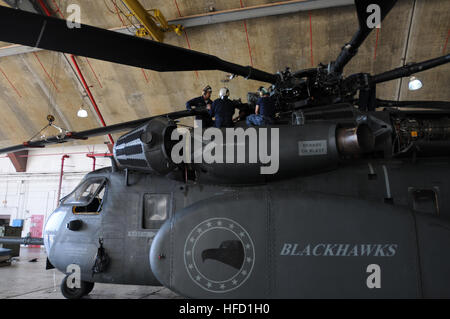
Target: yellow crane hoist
[(153, 22)]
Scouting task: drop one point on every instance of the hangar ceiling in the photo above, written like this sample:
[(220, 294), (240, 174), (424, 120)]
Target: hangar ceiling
[(33, 85)]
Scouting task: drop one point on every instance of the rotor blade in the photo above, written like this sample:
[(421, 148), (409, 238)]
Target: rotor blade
[(409, 69), (83, 135), (54, 34), (22, 241), (366, 10)]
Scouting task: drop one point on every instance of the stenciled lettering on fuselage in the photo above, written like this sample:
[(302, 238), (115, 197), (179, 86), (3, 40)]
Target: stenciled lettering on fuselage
[(339, 250), (312, 148), (141, 234)]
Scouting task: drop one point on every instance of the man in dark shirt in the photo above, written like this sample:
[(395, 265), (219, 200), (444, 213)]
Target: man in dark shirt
[(202, 102), (223, 109), (264, 111)]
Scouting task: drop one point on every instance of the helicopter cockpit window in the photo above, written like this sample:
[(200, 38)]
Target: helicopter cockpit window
[(156, 207), (87, 198)]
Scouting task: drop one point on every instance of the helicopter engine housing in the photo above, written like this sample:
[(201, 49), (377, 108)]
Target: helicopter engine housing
[(297, 150), (147, 147)]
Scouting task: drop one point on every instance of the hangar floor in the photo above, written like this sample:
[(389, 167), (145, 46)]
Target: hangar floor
[(30, 280)]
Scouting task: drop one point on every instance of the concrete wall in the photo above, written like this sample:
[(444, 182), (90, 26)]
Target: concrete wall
[(35, 192)]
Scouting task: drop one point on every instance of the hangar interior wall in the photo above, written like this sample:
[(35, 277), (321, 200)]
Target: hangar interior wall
[(23, 195)]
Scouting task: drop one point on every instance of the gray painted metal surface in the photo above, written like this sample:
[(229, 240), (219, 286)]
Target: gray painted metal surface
[(331, 226), (333, 214)]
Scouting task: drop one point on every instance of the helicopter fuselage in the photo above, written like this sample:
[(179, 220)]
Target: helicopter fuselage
[(372, 228)]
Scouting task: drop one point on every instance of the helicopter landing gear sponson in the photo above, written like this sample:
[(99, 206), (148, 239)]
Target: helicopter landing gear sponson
[(76, 293)]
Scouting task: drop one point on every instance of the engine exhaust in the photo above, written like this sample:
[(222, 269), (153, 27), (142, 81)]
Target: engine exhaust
[(355, 140)]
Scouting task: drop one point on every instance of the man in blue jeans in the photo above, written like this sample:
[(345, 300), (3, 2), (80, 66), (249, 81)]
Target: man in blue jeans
[(264, 111)]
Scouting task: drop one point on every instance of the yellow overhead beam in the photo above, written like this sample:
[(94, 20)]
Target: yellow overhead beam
[(145, 19), (150, 22)]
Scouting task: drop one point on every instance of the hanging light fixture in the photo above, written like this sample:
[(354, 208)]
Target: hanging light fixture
[(414, 84), (82, 112)]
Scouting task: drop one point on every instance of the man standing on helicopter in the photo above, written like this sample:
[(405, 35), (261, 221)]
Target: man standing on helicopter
[(223, 109), (202, 102)]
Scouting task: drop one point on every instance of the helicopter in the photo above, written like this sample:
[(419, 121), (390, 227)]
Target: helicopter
[(356, 206)]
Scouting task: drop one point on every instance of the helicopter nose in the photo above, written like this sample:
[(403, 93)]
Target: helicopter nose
[(52, 228)]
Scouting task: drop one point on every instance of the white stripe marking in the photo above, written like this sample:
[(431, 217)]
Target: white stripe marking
[(40, 35)]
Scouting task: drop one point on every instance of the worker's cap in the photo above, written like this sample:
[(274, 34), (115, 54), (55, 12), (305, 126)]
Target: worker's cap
[(207, 89), (224, 92), (263, 90)]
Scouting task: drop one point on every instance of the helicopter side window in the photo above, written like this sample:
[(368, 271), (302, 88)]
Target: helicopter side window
[(156, 207), (87, 198)]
